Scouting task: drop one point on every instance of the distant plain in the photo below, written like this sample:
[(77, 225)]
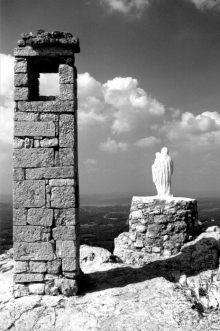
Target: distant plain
[(104, 217)]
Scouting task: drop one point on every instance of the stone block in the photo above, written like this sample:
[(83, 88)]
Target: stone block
[(29, 193), (51, 278), (26, 117), (141, 228), (20, 216), (66, 74), (50, 172), (58, 106), (37, 266), (36, 143), (34, 251), (69, 264), (70, 275), (21, 93), (21, 267), (40, 217), (139, 243), (66, 130), (61, 182), (18, 174), (49, 142), (68, 287), (18, 143), (43, 51), (33, 158), (178, 238), (28, 278), (21, 80), (20, 290), (156, 249), (49, 117), (31, 233), (51, 289), (66, 91), (153, 230), (136, 215), (65, 217), (64, 157), (64, 233), (161, 219), (63, 197), (66, 249), (180, 226), (33, 129), (53, 267), (20, 65), (37, 289)]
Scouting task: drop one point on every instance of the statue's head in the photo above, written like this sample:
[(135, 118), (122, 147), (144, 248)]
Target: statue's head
[(164, 151), (158, 155)]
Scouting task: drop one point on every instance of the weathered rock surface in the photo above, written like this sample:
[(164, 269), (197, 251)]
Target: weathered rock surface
[(117, 297)]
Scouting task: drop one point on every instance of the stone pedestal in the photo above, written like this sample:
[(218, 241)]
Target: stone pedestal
[(45, 189), (159, 225)]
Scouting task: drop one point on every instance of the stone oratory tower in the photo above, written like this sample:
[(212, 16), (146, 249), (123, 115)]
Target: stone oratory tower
[(45, 162)]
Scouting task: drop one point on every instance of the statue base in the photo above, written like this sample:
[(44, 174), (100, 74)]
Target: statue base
[(159, 225)]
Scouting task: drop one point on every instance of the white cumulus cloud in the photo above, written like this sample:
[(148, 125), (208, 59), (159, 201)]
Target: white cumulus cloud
[(132, 104), (134, 7), (206, 4), (147, 142), (6, 98), (91, 165), (6, 121), (201, 130), (90, 162), (90, 101), (112, 146)]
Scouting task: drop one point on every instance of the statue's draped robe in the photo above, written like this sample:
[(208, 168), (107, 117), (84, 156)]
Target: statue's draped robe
[(156, 174), (165, 172)]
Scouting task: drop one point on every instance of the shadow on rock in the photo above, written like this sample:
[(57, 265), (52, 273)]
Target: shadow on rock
[(199, 255)]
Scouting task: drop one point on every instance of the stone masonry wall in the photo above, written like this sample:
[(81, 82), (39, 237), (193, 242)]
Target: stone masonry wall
[(159, 226), (45, 189)]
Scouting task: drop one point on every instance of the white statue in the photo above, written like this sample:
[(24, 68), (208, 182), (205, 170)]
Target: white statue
[(162, 170), (156, 172)]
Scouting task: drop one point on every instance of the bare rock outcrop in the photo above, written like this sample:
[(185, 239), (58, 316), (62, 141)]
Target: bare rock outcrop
[(116, 297)]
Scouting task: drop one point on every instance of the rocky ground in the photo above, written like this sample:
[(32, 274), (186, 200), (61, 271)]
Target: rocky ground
[(115, 297)]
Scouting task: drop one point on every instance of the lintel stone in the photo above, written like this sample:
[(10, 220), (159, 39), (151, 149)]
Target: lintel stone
[(43, 51)]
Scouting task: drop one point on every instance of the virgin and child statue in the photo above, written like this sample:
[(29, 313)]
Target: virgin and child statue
[(162, 170)]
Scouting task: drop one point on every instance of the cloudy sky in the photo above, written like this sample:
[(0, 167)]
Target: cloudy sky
[(149, 77)]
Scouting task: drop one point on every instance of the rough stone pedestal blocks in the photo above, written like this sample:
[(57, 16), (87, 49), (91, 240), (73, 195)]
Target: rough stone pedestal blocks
[(159, 226), (45, 190)]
